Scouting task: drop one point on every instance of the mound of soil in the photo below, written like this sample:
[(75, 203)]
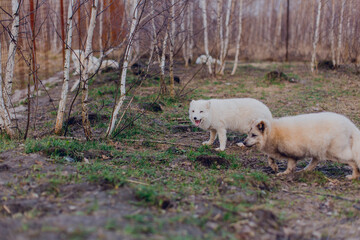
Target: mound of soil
[(326, 65), (277, 76), (152, 107), (208, 161), (183, 128), (93, 117), (138, 68)]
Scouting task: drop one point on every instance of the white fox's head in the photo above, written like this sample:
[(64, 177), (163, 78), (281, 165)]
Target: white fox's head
[(199, 113)]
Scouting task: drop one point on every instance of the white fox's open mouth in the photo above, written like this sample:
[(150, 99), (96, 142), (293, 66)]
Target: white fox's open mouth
[(197, 122)]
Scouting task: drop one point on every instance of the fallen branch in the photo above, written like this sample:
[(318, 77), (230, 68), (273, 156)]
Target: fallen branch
[(137, 182), (155, 141), (322, 194)]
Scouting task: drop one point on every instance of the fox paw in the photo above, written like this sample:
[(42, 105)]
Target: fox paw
[(219, 149), (206, 143), (351, 177), (282, 174), (274, 167), (240, 144)]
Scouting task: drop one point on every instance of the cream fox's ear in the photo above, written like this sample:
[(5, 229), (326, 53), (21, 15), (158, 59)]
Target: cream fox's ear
[(261, 125)]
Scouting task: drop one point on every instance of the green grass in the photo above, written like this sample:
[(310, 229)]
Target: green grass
[(60, 148)]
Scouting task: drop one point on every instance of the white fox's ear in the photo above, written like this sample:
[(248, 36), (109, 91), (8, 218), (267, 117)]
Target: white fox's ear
[(192, 102), (208, 104)]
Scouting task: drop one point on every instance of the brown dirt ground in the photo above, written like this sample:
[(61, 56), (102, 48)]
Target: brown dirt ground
[(292, 207)]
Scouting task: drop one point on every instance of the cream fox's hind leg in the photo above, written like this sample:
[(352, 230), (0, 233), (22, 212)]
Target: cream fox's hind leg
[(312, 165), (291, 165), (355, 172), (212, 138)]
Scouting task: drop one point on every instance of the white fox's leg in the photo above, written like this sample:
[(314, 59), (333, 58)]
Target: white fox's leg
[(222, 139)]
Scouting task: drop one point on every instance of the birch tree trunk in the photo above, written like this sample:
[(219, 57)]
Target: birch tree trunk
[(332, 35), (163, 89), (171, 46), (124, 71), (4, 113), (62, 29), (220, 31), (206, 39), (270, 20), (55, 40), (340, 32), (227, 33), (316, 37), (348, 28), (184, 34), (9, 71), (154, 35), (65, 87), (101, 24), (278, 25), (84, 78), (191, 30), (238, 41)]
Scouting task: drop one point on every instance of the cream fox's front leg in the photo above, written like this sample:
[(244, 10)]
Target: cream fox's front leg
[(273, 164), (212, 137), (291, 165)]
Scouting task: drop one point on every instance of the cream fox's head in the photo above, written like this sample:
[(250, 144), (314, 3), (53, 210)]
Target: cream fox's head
[(258, 133)]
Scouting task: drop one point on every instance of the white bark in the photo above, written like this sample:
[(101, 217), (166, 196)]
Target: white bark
[(154, 35), (220, 30), (191, 30), (65, 87), (9, 71), (340, 31), (124, 71), (101, 24), (270, 20), (162, 64), (184, 37), (316, 37), (206, 39), (172, 45), (4, 113), (348, 30), (55, 42), (227, 33), (332, 35), (84, 79), (278, 24), (238, 41)]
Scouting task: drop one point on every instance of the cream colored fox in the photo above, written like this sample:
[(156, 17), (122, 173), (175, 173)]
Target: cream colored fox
[(219, 115), (321, 136)]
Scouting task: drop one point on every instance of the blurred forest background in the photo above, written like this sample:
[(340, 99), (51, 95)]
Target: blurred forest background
[(35, 34)]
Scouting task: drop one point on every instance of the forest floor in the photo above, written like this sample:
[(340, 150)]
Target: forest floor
[(154, 180)]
